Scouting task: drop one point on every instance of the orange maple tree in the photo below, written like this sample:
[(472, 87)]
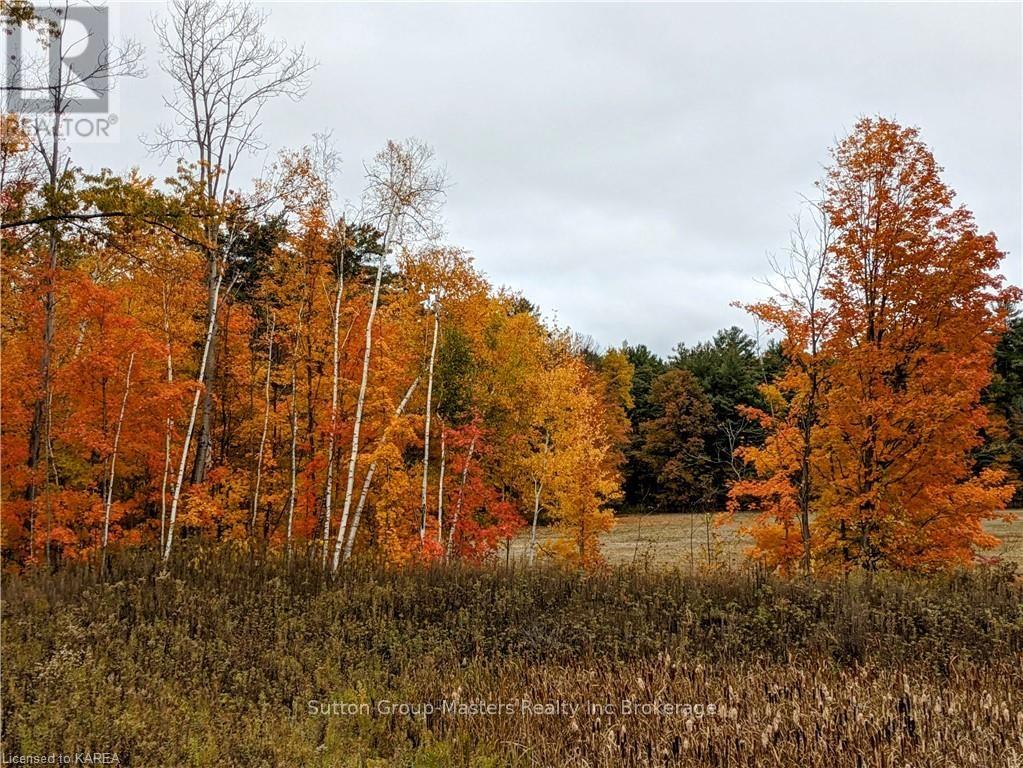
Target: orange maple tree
[(912, 307)]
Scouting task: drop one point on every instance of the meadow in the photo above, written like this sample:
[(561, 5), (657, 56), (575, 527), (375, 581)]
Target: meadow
[(231, 660), (681, 540)]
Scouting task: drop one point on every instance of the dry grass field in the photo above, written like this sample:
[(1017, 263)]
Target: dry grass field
[(229, 660), (675, 539)]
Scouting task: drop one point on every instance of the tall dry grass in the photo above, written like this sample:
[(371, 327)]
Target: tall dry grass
[(217, 663)]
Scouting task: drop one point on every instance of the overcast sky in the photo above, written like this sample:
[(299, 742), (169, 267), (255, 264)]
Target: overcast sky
[(628, 167)]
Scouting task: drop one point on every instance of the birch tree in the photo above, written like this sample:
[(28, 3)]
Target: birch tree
[(332, 434), (461, 497), (169, 421), (539, 472), (429, 415), (266, 420), (113, 458), (186, 443), (403, 198), (225, 70), (293, 484), (350, 544), (440, 489)]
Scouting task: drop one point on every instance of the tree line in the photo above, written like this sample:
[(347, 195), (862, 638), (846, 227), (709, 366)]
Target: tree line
[(261, 366), (258, 365), (883, 427)]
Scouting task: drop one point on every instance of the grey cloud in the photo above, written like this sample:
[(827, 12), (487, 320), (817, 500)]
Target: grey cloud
[(630, 165)]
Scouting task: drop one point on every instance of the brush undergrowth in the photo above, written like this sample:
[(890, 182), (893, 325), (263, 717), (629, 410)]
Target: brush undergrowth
[(218, 662)]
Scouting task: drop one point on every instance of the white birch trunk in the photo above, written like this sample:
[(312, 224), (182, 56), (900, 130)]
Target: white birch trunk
[(426, 431), (113, 458), (169, 430), (294, 473), (537, 490), (440, 490), (353, 459), (201, 382), (266, 423), (350, 544), (332, 437), (458, 504)]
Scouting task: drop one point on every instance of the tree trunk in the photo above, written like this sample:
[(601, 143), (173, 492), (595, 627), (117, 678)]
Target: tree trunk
[(294, 474), (440, 490), (350, 544), (804, 502), (41, 416), (51, 467), (805, 495), (537, 489), (202, 451), (169, 430), (353, 460), (200, 381), (706, 525), (266, 423), (113, 460), (332, 436), (426, 430), (461, 494)]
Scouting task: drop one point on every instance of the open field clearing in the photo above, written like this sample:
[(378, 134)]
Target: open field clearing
[(673, 539)]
